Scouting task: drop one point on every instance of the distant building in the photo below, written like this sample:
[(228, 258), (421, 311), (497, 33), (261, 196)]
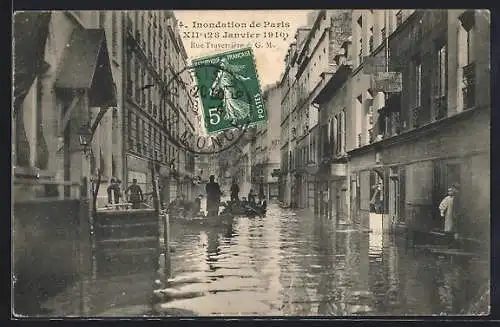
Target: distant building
[(312, 54), (266, 147)]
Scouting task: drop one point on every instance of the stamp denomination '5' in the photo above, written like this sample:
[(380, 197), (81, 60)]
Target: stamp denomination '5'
[(235, 94)]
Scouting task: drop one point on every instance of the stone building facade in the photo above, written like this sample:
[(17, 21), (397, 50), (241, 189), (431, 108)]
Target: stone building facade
[(266, 147), (312, 54), (155, 116), (70, 102), (431, 134), (415, 141)]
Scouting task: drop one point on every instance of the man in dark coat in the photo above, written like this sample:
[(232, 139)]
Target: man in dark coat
[(213, 197), (235, 190), (135, 194)]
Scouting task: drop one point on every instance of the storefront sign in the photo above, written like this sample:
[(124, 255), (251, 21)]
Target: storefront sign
[(338, 170), (374, 65), (390, 82)]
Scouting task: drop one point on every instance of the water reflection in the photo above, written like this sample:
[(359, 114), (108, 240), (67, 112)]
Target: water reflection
[(286, 264)]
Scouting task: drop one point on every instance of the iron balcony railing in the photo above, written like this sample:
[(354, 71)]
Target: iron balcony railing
[(440, 107), (468, 91)]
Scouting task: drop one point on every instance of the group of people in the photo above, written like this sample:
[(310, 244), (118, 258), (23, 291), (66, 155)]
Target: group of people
[(133, 192), (248, 204)]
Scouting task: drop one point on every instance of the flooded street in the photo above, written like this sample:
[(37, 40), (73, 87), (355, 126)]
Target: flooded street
[(291, 264)]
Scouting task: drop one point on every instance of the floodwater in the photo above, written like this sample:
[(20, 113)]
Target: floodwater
[(289, 264), (292, 264)]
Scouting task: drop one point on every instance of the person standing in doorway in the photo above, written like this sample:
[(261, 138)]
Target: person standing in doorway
[(376, 200), (447, 208), (135, 195), (235, 190), (213, 197)]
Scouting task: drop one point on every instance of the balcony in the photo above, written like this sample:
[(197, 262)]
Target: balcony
[(414, 116), (440, 107), (371, 135), (468, 90)]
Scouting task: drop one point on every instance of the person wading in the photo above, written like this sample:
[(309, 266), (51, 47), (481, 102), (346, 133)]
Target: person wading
[(135, 195), (252, 198), (213, 197), (235, 190)]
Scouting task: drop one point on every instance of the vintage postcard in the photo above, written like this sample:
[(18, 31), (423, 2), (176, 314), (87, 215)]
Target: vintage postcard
[(251, 163)]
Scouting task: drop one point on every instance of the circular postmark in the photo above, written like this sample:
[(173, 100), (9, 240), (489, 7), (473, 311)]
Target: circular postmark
[(202, 93)]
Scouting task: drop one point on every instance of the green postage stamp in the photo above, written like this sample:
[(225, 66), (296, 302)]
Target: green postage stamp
[(229, 90)]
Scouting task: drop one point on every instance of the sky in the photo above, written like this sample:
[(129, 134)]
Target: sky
[(280, 25)]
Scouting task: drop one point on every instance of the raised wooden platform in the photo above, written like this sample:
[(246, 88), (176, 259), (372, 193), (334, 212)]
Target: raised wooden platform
[(126, 241)]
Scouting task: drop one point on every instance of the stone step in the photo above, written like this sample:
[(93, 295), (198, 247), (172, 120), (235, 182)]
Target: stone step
[(127, 243), (122, 265), (118, 231), (126, 217)]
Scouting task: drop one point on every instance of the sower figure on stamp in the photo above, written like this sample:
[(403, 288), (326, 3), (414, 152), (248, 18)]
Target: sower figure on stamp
[(448, 210), (224, 87), (213, 197)]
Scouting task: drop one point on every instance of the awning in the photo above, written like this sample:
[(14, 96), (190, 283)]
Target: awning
[(30, 32), (86, 65)]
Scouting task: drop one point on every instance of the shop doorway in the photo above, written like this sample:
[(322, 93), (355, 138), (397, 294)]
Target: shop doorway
[(378, 200)]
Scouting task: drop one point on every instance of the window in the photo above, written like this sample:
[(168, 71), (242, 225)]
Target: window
[(337, 132), (399, 18), (370, 41), (130, 71), (114, 33), (360, 33), (467, 27), (102, 19), (143, 131), (332, 136), (137, 81), (441, 83), (384, 35), (466, 54), (324, 138), (148, 145), (442, 73), (418, 84), (360, 50), (342, 131)]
